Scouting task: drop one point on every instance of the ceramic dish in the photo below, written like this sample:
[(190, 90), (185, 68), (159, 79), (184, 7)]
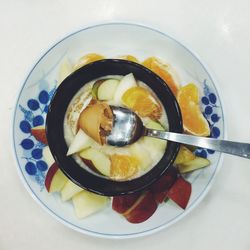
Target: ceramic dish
[(58, 108), (39, 87)]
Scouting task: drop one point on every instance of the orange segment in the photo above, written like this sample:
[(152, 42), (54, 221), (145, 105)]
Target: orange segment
[(193, 120), (162, 70), (141, 101), (123, 166), (130, 58), (89, 58)]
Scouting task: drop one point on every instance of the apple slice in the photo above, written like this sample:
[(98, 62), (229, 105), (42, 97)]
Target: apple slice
[(156, 147), (180, 192), (127, 82), (196, 163), (107, 89), (139, 152), (142, 209), (55, 179), (160, 187), (95, 87), (155, 143), (122, 203), (87, 203), (40, 134), (69, 190), (184, 155), (48, 157), (80, 142), (100, 160)]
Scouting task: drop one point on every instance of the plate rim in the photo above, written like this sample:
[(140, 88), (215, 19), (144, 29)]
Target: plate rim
[(195, 203)]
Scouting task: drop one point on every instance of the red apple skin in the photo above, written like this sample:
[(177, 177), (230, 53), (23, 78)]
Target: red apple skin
[(50, 174), (40, 134), (142, 209), (122, 203), (160, 197), (160, 188), (180, 192)]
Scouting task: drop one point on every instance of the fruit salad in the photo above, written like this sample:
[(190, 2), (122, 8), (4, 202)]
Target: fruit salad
[(89, 120)]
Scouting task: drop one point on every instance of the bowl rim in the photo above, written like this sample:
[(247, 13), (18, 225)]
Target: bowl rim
[(55, 136)]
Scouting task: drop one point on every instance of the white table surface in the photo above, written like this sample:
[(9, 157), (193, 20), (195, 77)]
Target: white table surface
[(218, 31)]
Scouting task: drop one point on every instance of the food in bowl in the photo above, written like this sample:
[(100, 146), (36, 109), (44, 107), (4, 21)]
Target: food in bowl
[(140, 206), (89, 118)]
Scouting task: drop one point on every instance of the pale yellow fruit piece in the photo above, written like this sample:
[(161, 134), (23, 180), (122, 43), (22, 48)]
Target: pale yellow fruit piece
[(86, 203), (195, 164), (69, 190)]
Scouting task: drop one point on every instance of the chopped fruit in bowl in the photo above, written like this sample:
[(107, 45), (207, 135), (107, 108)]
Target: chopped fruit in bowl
[(138, 177), (123, 166), (142, 101), (96, 121)]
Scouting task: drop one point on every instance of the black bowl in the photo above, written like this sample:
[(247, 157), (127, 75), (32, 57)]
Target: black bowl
[(55, 131)]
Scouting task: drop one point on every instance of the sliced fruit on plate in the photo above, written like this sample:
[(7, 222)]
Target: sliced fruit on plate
[(122, 203), (184, 155), (129, 58), (65, 70), (123, 166), (194, 164), (107, 89), (141, 154), (80, 142), (180, 192), (89, 58), (87, 203), (127, 82), (143, 102), (161, 187), (48, 157), (69, 190), (100, 160), (193, 120), (40, 134), (55, 179), (142, 209), (163, 70)]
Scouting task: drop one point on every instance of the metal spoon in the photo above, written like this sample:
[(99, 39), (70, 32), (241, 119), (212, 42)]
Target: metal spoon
[(128, 128)]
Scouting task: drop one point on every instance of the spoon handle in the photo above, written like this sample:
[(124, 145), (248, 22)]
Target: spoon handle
[(228, 147)]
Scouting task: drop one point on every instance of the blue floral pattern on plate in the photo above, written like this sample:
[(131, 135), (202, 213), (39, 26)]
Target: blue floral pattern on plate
[(209, 107), (34, 114)]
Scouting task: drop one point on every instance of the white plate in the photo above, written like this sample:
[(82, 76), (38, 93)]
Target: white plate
[(110, 40)]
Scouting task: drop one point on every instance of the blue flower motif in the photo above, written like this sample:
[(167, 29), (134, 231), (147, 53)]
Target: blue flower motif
[(25, 126), (33, 150), (38, 121), (43, 97), (28, 115), (209, 105), (33, 104), (30, 168)]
